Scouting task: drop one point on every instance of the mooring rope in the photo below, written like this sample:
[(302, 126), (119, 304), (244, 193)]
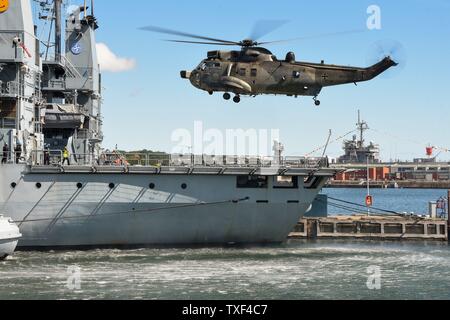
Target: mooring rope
[(362, 206)]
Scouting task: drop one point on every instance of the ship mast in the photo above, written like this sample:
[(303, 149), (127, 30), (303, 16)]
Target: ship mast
[(362, 127), (58, 36)]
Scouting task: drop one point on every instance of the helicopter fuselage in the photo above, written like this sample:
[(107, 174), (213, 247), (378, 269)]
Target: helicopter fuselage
[(256, 71)]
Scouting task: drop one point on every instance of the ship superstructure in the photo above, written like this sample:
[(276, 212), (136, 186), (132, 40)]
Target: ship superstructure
[(50, 101), (20, 79), (356, 151), (71, 86)]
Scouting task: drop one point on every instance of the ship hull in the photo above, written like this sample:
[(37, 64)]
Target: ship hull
[(116, 210)]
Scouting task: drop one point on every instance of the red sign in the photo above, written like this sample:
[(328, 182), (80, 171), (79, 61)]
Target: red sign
[(369, 201)]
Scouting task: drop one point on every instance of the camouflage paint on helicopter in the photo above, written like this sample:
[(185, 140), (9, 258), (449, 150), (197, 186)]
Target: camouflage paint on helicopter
[(254, 70), (4, 5)]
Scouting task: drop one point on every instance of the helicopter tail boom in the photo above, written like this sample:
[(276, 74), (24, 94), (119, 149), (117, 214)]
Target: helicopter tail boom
[(377, 69), (337, 75)]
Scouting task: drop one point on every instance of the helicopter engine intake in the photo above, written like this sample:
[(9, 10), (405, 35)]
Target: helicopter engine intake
[(290, 57)]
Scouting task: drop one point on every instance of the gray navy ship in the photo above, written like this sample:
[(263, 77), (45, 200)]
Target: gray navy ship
[(49, 102)]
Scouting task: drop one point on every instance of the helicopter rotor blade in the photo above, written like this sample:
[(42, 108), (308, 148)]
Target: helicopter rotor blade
[(316, 36), (184, 34), (200, 42), (264, 27)]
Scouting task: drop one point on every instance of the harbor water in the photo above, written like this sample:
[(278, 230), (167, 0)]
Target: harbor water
[(295, 270), (398, 200)]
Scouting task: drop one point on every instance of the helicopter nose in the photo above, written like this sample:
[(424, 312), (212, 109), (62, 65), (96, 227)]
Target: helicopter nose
[(185, 74)]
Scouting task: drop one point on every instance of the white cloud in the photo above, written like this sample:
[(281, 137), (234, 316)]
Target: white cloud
[(109, 61)]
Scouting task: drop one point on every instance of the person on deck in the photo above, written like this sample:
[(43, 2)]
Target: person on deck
[(18, 152), (5, 153), (66, 156)]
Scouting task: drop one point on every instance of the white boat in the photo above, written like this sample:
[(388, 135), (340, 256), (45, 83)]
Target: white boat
[(9, 237)]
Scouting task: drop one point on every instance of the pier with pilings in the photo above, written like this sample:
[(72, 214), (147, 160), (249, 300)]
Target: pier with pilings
[(372, 228)]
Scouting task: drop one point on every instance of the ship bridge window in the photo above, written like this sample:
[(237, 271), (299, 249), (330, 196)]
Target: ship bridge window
[(252, 182), (285, 182)]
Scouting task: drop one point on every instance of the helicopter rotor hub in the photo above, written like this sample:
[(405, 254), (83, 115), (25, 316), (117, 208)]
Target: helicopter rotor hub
[(248, 43)]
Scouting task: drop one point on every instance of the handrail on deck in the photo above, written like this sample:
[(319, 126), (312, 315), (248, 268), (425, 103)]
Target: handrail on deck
[(42, 157)]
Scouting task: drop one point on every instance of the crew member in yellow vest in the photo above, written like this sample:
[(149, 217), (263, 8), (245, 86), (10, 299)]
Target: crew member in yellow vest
[(66, 156)]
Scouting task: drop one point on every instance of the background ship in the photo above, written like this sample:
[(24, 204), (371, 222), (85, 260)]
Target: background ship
[(49, 101)]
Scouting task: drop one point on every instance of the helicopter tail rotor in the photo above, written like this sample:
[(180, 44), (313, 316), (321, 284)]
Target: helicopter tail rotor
[(390, 49)]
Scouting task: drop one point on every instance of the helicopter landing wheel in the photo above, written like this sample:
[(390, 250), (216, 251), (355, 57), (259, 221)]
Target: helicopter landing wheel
[(237, 99), (227, 96), (211, 93), (316, 102)]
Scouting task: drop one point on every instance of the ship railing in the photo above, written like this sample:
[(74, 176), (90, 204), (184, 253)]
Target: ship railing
[(71, 68), (45, 157), (10, 157), (7, 157), (41, 157), (7, 123)]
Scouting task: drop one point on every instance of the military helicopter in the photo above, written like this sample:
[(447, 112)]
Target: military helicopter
[(253, 70)]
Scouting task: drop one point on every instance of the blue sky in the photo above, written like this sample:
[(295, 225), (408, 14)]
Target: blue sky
[(143, 106)]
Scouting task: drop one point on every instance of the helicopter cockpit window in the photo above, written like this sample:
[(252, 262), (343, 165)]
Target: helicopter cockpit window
[(213, 64), (202, 66)]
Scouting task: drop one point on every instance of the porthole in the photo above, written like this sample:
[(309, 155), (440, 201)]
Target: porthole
[(112, 185), (152, 186), (38, 185), (79, 185), (184, 186), (13, 185)]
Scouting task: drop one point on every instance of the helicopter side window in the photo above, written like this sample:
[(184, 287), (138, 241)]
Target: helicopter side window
[(254, 72), (213, 64), (243, 72)]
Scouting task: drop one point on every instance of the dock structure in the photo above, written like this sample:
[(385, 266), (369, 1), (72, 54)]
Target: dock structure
[(371, 228)]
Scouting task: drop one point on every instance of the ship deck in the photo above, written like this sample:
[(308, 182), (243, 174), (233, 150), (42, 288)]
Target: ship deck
[(191, 165), (182, 170)]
